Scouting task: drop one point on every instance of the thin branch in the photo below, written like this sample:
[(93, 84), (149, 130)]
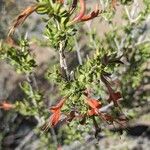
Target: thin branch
[(127, 12), (78, 51), (62, 60), (26, 139), (38, 118), (133, 12), (90, 31), (147, 40), (54, 137), (31, 89), (105, 108), (34, 81)]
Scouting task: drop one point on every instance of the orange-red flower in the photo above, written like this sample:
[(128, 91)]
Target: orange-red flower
[(92, 15), (95, 106), (81, 16), (81, 13), (6, 106), (56, 110)]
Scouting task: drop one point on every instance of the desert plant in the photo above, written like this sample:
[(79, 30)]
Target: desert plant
[(89, 95)]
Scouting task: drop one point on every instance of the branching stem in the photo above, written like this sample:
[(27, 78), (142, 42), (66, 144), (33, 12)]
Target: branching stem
[(62, 59)]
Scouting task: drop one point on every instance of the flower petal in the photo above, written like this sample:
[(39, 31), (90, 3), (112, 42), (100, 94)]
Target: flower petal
[(92, 15), (81, 13), (92, 112), (58, 106), (93, 103), (55, 118)]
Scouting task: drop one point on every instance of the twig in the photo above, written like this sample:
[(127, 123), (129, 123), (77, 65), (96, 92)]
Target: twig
[(105, 108), (62, 59), (31, 89), (34, 81), (26, 139), (54, 137), (90, 31), (102, 4), (133, 12), (78, 51), (147, 40)]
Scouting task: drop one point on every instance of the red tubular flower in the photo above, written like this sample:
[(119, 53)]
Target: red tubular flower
[(81, 16), (56, 110), (6, 106), (81, 13), (55, 117), (92, 15), (95, 106)]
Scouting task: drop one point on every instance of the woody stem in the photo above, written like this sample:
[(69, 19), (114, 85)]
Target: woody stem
[(62, 60), (97, 128)]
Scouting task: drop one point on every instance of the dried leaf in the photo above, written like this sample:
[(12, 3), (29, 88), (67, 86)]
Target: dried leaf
[(21, 18), (92, 15)]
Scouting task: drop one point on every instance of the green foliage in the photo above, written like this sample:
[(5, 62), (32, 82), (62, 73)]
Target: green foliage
[(85, 77), (57, 28), (32, 104), (21, 59), (108, 15), (74, 132)]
